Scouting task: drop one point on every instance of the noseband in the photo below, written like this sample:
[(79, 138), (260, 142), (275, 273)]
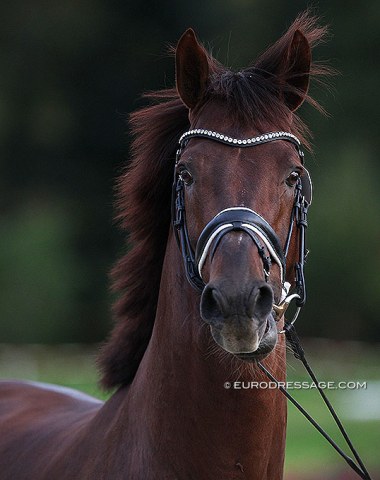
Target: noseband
[(245, 220)]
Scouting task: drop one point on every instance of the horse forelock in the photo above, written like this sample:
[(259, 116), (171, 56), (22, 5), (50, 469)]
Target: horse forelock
[(252, 96)]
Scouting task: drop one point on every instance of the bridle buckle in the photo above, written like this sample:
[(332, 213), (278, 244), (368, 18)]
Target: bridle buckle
[(283, 306)]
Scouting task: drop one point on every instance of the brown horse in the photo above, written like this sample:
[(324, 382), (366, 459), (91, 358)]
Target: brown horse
[(175, 348)]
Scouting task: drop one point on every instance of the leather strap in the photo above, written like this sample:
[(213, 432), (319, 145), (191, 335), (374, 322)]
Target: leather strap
[(243, 219)]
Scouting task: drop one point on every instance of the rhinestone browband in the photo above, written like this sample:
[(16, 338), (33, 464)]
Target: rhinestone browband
[(241, 142)]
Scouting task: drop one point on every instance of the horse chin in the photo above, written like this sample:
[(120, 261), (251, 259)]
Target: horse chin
[(241, 348)]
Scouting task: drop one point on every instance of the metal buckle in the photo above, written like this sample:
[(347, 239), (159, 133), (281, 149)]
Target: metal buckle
[(280, 309)]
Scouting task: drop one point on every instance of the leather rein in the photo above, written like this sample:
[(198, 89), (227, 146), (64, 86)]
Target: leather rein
[(270, 251)]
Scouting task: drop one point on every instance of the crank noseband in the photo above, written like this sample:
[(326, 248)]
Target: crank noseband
[(245, 220)]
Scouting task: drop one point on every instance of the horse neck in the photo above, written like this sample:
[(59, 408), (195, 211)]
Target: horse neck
[(179, 389)]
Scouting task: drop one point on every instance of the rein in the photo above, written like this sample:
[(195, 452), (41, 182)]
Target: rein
[(269, 249), (296, 347)]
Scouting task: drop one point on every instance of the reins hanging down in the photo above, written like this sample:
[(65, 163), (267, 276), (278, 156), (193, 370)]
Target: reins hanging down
[(266, 240), (295, 344)]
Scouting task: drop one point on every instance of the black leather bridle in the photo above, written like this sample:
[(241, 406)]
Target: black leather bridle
[(269, 249), (246, 220)]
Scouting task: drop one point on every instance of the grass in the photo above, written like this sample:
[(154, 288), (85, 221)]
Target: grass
[(308, 456), (69, 365), (307, 453)]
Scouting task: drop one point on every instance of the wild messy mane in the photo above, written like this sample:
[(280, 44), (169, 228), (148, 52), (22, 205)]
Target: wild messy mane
[(253, 95)]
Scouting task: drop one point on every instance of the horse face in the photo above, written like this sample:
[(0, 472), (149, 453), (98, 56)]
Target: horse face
[(237, 301)]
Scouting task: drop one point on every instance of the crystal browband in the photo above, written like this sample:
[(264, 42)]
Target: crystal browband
[(241, 142)]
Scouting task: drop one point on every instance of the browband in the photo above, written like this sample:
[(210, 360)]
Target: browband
[(246, 142)]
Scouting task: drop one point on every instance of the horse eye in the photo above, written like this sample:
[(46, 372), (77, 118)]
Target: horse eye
[(292, 179), (186, 176)]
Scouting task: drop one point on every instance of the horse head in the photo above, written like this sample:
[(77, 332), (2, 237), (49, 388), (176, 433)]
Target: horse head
[(238, 172)]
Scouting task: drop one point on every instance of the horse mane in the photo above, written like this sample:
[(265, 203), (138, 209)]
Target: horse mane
[(253, 96), (144, 193)]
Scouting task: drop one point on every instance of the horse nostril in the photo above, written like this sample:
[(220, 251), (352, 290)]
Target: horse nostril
[(262, 301), (216, 305), (210, 304)]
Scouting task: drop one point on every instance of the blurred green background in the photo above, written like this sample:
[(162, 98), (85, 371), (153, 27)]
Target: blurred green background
[(70, 72)]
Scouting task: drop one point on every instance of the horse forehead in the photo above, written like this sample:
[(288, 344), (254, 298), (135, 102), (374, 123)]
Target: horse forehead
[(232, 174), (265, 158)]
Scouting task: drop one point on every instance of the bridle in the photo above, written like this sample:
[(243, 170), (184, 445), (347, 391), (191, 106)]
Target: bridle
[(245, 220), (269, 249)]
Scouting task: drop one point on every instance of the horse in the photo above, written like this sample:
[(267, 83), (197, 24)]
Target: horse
[(219, 157)]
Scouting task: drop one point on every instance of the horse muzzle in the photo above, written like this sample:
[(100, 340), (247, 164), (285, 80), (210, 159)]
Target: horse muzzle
[(240, 319)]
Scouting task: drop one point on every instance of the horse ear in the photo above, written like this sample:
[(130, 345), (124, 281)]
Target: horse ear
[(295, 71), (192, 69)]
